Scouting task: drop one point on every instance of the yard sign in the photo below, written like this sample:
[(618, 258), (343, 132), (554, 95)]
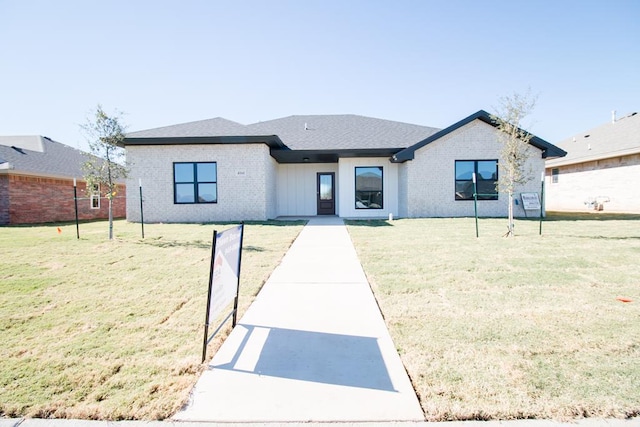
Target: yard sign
[(530, 201), (224, 278)]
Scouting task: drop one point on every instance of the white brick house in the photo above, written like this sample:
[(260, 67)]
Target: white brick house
[(345, 165), (599, 170)]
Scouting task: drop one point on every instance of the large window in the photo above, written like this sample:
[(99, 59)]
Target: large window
[(486, 176), (369, 187), (195, 182)]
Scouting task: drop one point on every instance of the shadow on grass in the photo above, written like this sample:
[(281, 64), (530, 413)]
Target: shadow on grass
[(160, 243), (604, 237), (368, 223), (590, 216), (60, 223), (197, 244), (271, 223)]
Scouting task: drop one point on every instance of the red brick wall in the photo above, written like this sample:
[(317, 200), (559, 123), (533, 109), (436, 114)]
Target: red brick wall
[(35, 200), (4, 199)]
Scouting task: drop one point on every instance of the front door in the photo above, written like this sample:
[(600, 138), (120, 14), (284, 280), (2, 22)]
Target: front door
[(326, 193)]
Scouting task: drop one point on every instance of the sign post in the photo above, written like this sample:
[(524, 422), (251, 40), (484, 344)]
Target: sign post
[(542, 197), (224, 279), (475, 200), (141, 210)]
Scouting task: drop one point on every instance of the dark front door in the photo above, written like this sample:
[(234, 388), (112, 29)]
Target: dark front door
[(326, 193)]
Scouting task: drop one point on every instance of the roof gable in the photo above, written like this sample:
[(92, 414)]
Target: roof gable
[(548, 149), (612, 139)]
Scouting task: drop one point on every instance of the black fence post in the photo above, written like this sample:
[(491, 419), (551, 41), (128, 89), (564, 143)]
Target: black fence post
[(141, 209), (75, 202)]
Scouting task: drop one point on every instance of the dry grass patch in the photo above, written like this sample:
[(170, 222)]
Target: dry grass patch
[(525, 327), (99, 329)]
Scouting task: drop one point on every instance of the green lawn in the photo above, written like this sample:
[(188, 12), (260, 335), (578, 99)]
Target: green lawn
[(101, 329), (523, 327), (487, 327)]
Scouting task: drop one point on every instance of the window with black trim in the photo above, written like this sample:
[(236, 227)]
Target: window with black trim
[(486, 176), (195, 182), (369, 194), (554, 175)]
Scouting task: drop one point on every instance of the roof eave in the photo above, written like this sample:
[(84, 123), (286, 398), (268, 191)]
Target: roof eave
[(586, 159), (273, 141), (328, 156)]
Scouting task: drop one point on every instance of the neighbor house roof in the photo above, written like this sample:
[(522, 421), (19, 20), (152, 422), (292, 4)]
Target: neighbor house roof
[(40, 156), (548, 150), (614, 139)]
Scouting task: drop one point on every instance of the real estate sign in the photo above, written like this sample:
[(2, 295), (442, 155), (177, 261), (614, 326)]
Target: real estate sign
[(225, 270), (224, 277), (530, 201)]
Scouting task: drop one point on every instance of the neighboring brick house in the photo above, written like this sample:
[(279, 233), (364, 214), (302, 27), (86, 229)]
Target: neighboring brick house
[(36, 183), (599, 171), (345, 165)]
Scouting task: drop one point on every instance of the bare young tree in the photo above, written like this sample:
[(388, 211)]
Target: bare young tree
[(106, 163), (515, 146)]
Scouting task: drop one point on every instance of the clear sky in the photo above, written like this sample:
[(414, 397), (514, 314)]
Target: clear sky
[(428, 62)]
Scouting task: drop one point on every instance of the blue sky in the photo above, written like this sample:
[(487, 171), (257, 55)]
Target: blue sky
[(426, 62)]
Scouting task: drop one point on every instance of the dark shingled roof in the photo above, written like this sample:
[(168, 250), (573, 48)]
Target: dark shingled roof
[(210, 127), (317, 138), (38, 155), (341, 132), (613, 139), (315, 132), (313, 138)]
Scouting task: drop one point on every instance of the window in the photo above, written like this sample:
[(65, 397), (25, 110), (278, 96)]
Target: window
[(554, 175), (195, 182), (486, 176), (95, 196), (369, 187)]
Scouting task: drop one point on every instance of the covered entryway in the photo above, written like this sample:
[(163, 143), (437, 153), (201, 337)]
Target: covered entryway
[(326, 193)]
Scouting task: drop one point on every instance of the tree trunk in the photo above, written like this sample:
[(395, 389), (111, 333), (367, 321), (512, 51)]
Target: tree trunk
[(110, 218), (510, 226)]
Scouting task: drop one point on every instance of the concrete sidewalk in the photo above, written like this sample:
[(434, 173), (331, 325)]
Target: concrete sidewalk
[(312, 347)]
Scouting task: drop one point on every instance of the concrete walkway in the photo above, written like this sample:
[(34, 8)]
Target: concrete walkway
[(312, 347)]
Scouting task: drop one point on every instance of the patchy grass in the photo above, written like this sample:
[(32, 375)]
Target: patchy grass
[(100, 329), (505, 328)]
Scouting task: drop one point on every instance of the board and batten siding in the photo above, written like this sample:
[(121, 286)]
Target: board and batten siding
[(297, 188), (347, 187), (245, 182), (430, 177)]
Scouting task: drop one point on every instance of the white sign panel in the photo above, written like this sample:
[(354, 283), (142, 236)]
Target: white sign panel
[(226, 270), (530, 201)]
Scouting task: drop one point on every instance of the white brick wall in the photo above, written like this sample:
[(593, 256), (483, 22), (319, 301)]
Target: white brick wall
[(611, 179), (430, 184), (246, 181)]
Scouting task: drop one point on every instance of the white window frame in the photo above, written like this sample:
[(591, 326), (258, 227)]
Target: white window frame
[(95, 197)]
